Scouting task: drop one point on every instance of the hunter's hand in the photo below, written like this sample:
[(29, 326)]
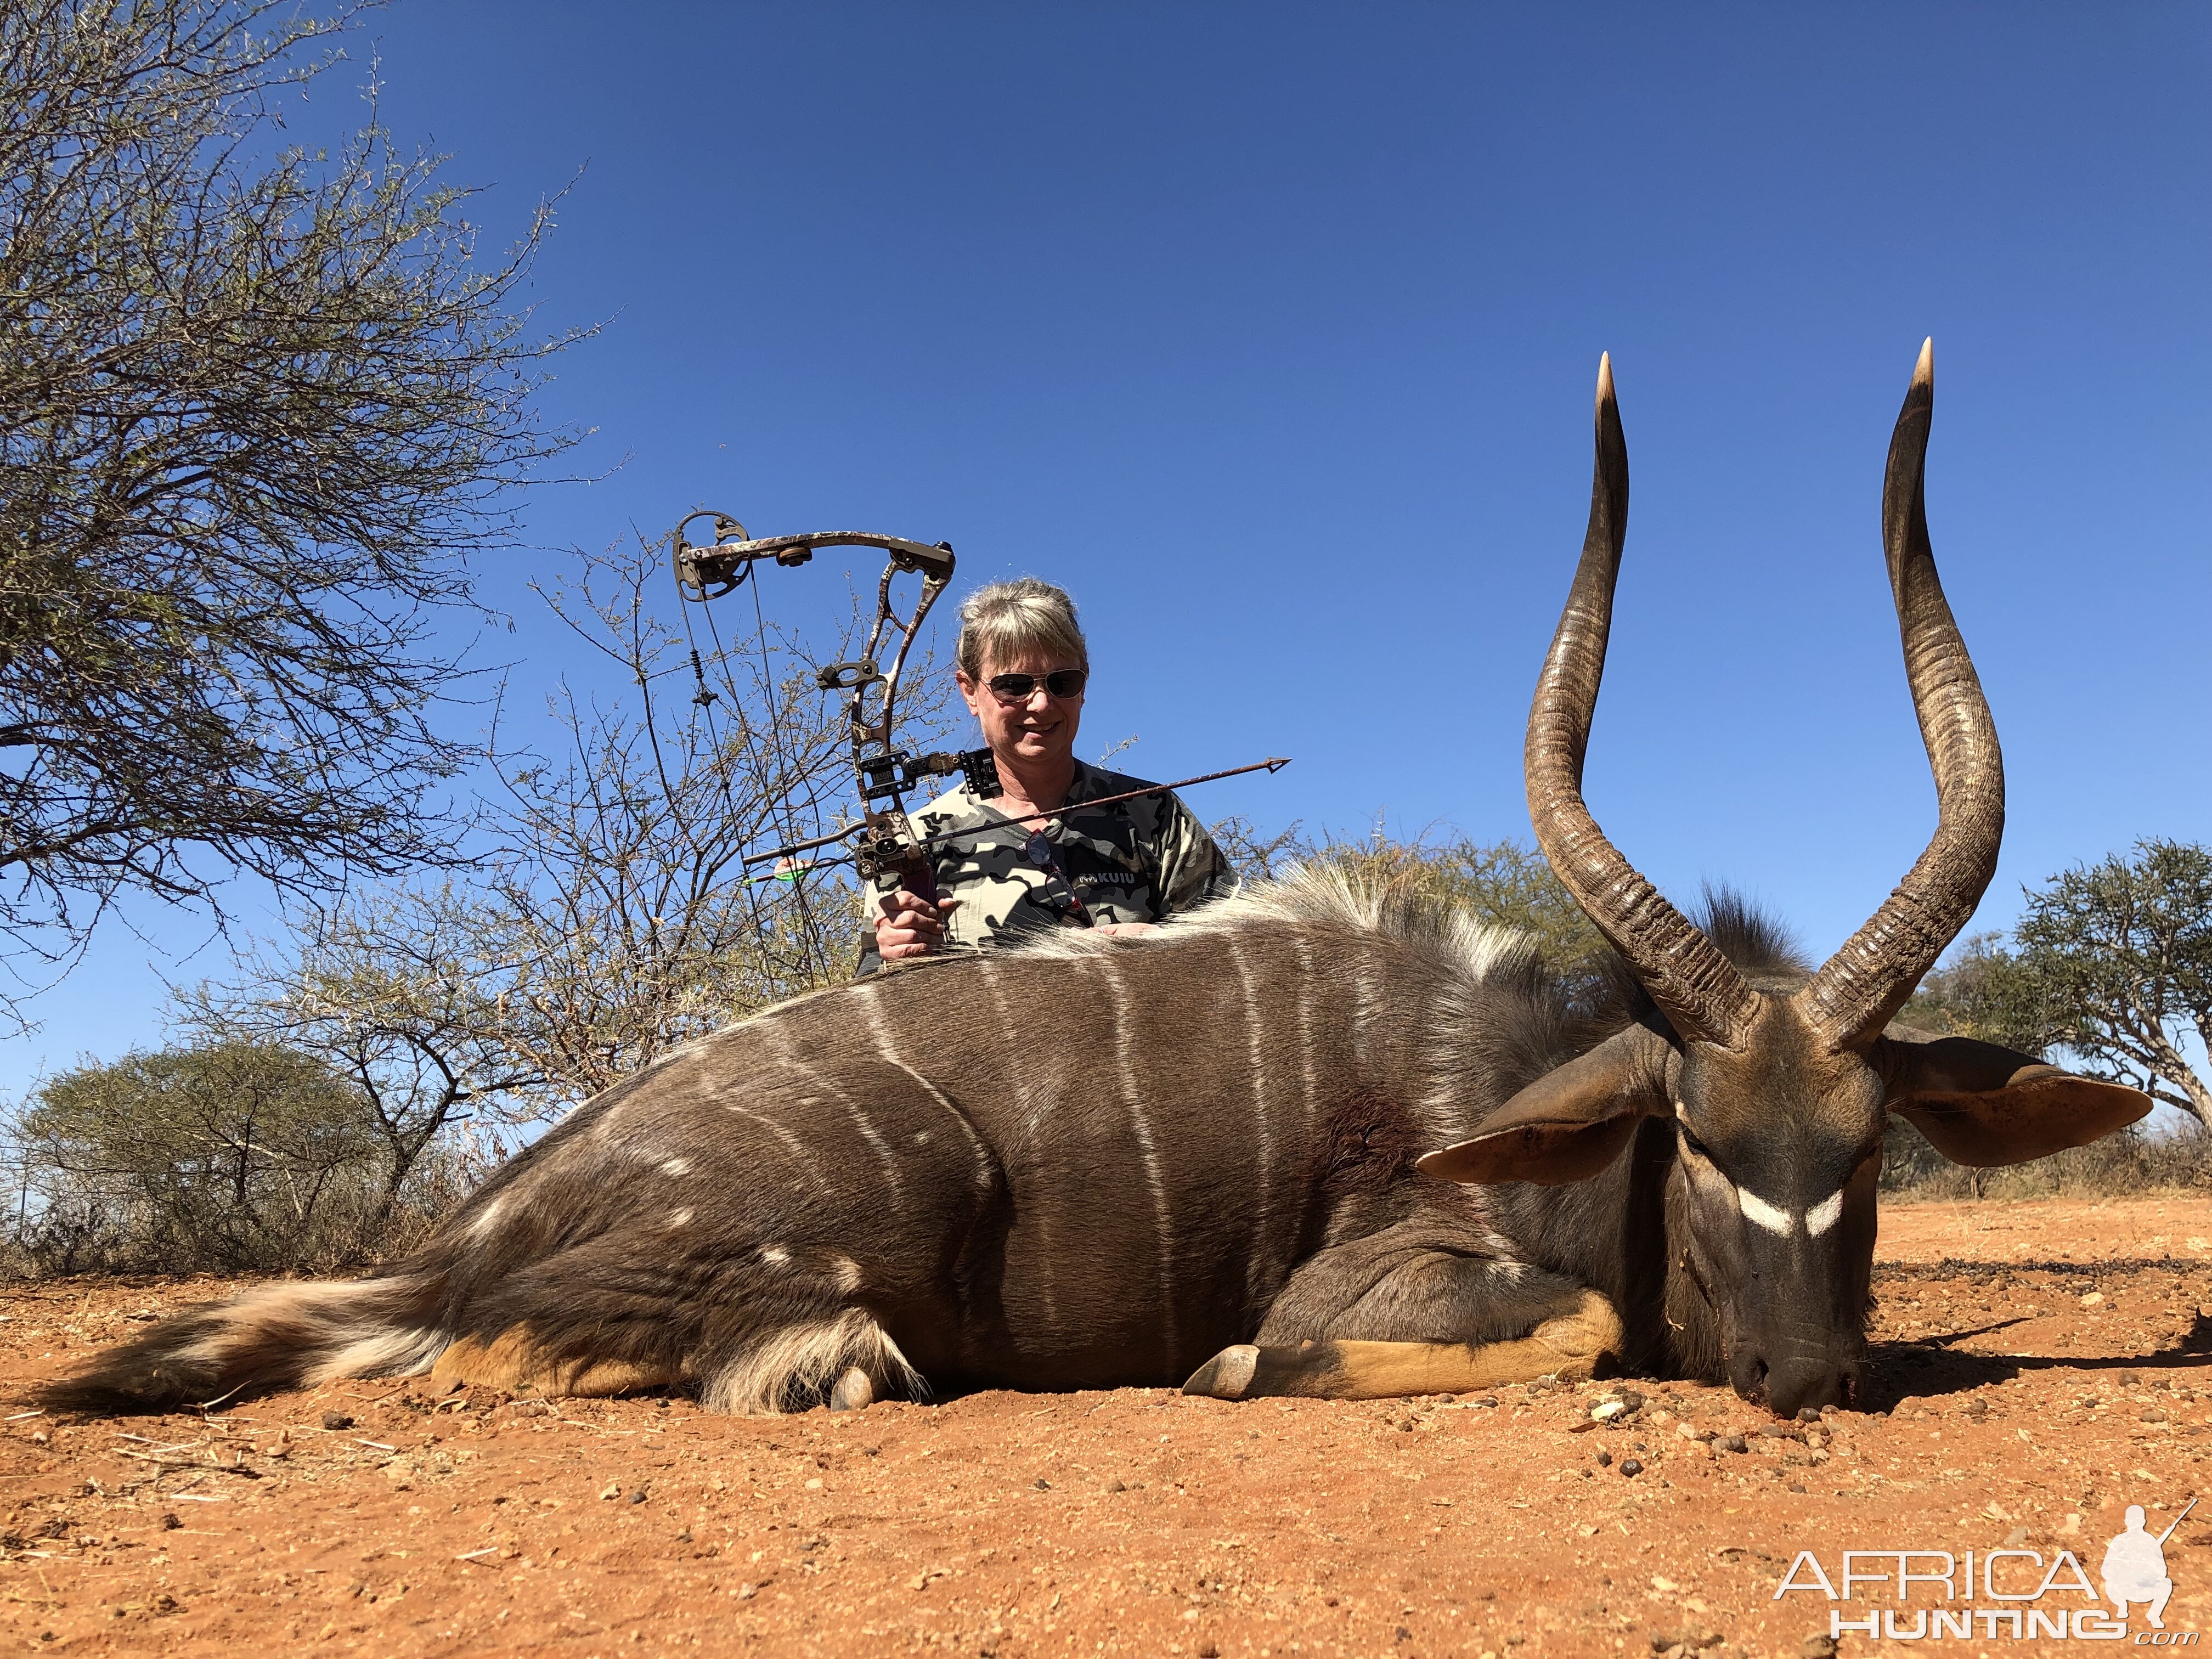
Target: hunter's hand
[(911, 926)]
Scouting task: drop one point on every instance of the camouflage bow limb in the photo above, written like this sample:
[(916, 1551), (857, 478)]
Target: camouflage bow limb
[(885, 851)]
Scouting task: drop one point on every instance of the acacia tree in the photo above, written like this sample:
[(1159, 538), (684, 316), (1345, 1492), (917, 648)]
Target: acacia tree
[(1981, 989), (2111, 962), (233, 1156), (256, 406), (2117, 961)]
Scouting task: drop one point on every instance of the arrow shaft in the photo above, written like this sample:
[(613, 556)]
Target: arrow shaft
[(1270, 765)]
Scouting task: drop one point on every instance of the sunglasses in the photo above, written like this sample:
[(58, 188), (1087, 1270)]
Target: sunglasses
[(1061, 682)]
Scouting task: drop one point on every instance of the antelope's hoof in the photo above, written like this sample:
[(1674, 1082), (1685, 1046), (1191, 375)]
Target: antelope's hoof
[(1227, 1375), (853, 1392)]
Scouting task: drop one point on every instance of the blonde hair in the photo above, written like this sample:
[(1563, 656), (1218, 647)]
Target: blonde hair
[(1002, 620)]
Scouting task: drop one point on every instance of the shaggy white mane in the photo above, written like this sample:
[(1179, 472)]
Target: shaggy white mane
[(1316, 898)]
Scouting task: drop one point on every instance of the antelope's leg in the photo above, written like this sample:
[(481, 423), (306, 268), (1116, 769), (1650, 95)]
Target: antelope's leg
[(1570, 1344), (510, 1361), (1417, 1308)]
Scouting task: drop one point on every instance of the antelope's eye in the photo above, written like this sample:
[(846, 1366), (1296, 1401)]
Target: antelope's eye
[(1691, 1140)]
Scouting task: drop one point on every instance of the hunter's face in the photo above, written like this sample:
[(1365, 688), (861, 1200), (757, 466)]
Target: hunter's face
[(1036, 731)]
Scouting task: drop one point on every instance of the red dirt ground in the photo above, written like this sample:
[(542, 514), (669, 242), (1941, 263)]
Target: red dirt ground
[(2036, 1367)]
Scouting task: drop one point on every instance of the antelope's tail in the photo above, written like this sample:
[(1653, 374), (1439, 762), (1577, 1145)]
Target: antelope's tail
[(278, 1336)]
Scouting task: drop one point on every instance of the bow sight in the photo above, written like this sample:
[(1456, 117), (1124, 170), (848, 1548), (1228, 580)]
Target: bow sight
[(884, 851)]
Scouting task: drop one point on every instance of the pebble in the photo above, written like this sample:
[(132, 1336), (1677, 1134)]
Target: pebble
[(1605, 1460), (336, 1421), (1736, 1442), (1630, 1465)]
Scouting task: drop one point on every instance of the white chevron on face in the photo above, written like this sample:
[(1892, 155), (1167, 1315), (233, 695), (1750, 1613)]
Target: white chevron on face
[(1825, 1214), (1778, 1220), (1758, 1211)]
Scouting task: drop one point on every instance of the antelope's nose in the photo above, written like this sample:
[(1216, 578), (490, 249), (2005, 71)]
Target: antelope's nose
[(1789, 1386)]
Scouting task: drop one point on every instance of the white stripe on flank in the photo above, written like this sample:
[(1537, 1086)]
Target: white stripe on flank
[(995, 982), (1111, 974), (1305, 1022), (807, 1162), (892, 1172), (1825, 1214), (779, 1035), (1255, 1056), (1758, 1211), (974, 1141), (1363, 1005), (877, 1027)]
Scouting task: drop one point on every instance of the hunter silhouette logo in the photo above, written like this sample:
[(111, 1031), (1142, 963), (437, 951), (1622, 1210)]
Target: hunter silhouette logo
[(2011, 1594), (2135, 1567)]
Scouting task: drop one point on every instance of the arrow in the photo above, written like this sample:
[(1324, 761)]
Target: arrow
[(1272, 764)]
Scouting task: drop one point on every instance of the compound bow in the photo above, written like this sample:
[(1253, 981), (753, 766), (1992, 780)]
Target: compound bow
[(884, 851)]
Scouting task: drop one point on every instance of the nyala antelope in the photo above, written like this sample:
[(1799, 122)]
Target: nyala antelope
[(1317, 1140)]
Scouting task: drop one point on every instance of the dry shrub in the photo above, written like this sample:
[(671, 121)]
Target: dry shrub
[(2128, 1161)]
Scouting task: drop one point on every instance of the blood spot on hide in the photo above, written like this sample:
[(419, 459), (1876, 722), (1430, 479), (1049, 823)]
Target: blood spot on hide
[(1365, 1146)]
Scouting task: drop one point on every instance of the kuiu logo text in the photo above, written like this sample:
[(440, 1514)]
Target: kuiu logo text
[(2015, 1581)]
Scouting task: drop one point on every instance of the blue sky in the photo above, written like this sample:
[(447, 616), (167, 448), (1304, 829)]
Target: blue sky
[(1270, 331)]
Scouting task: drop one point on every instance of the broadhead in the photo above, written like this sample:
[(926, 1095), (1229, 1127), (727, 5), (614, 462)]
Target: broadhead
[(1923, 372), (1604, 379)]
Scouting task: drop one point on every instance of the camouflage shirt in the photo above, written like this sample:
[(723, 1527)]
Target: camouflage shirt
[(1136, 860)]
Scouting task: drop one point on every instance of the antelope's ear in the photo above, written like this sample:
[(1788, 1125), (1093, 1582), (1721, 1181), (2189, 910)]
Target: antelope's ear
[(1570, 1123), (1984, 1105)]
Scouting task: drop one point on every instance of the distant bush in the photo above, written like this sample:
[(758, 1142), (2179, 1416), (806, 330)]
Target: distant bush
[(2128, 1161), (229, 1157)]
